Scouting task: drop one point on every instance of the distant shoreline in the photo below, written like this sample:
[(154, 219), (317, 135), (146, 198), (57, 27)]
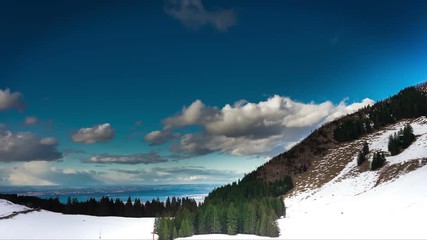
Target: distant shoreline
[(145, 193)]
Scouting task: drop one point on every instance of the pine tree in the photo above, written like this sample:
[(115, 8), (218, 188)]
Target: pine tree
[(262, 224), (186, 228), (201, 223), (128, 207), (272, 230), (231, 219), (393, 145), (164, 229), (249, 220), (377, 161), (407, 136), (174, 233)]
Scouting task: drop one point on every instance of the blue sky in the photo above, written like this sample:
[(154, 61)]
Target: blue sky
[(146, 92)]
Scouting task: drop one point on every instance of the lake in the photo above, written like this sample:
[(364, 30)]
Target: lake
[(144, 193)]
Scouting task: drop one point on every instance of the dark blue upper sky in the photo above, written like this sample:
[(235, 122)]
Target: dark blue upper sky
[(80, 64)]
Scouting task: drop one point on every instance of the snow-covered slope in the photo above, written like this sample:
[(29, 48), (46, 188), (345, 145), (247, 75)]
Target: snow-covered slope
[(340, 210), (7, 208), (49, 225), (367, 204)]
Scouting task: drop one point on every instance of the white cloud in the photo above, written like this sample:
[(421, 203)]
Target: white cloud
[(192, 14), (245, 128), (145, 158), (195, 114), (10, 100), (159, 137), (31, 120), (99, 133), (25, 146)]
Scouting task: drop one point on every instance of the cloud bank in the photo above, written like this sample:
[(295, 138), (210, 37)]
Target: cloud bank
[(25, 146), (41, 173), (250, 129), (99, 133), (192, 14), (161, 175), (145, 158), (9, 100)]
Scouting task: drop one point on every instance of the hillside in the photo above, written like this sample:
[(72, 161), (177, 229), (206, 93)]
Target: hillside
[(329, 147), (359, 203)]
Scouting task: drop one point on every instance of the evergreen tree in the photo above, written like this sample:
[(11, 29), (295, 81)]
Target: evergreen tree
[(213, 225), (128, 207), (407, 136), (164, 229), (174, 233), (272, 230), (249, 220), (186, 228), (262, 223), (279, 206), (393, 145), (377, 161), (231, 219), (201, 223)]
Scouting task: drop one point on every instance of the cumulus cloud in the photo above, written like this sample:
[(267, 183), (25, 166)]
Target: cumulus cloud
[(159, 137), (245, 128), (25, 146), (145, 158), (98, 133), (10, 100), (192, 14), (41, 173), (31, 120)]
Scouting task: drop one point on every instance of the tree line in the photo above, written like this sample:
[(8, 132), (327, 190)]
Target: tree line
[(249, 206), (408, 103), (106, 206)]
